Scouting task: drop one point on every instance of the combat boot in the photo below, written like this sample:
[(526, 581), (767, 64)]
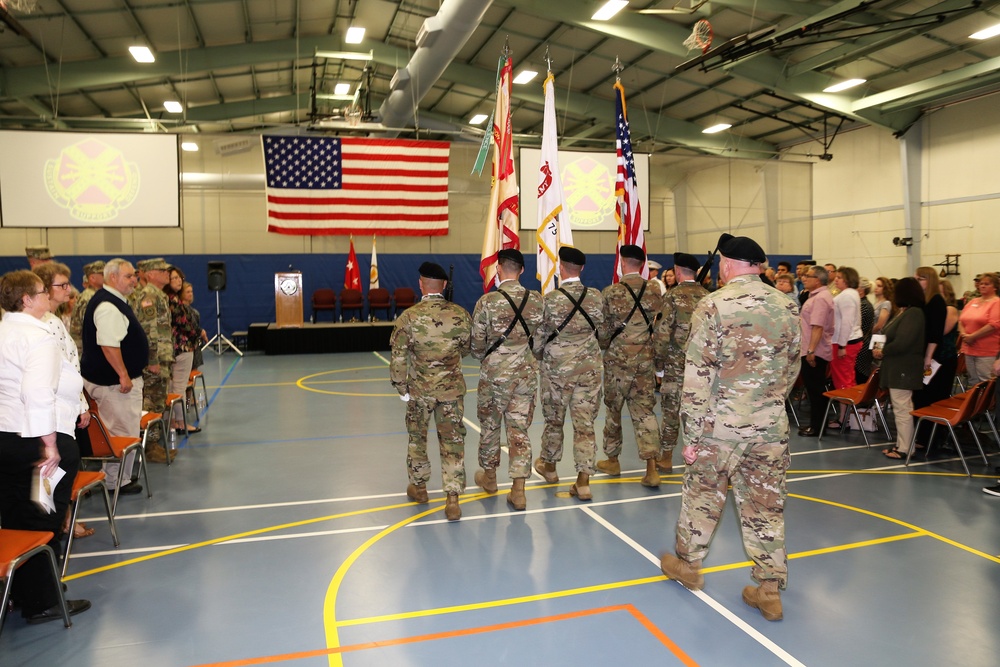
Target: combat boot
[(516, 496), (546, 470), (766, 598), (652, 477), (581, 488), (665, 463), (610, 467), (452, 511), (685, 573), (487, 480), (417, 493)]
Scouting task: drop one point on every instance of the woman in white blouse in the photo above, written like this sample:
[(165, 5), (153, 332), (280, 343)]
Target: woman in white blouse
[(847, 334), (55, 276), (39, 409)]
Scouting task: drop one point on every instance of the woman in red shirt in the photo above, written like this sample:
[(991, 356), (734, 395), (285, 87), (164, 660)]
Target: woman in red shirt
[(979, 329)]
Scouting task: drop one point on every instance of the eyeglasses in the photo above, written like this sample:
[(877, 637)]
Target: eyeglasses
[(62, 285), (44, 291)]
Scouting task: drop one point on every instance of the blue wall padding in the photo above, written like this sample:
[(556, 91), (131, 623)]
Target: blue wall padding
[(249, 293)]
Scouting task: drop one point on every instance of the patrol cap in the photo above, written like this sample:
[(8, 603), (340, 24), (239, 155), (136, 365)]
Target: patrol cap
[(684, 260), (512, 255), (633, 252), (154, 264), (741, 248), (38, 252), (572, 255), (654, 265), (433, 271), (93, 267)]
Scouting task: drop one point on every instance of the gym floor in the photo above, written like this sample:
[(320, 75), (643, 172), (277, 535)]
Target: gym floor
[(282, 535)]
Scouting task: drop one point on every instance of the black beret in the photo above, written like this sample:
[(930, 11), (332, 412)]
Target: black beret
[(686, 261), (633, 252), (433, 271), (741, 248), (572, 255), (512, 255)]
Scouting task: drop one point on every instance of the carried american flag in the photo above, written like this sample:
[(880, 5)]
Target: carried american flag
[(627, 210), (333, 185)]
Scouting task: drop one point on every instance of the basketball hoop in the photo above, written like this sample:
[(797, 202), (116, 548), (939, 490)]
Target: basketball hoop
[(700, 37), (353, 116)]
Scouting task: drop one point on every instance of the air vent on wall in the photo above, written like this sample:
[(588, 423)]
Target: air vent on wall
[(234, 146)]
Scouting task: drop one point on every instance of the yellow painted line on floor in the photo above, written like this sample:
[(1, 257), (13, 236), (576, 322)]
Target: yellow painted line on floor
[(330, 602)]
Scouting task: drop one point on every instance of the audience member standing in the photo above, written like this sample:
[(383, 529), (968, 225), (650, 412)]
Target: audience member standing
[(847, 334), (566, 341), (935, 324), (93, 280), (979, 329), (503, 324), (863, 364), (39, 410), (115, 352), (817, 319), (428, 343), (186, 337)]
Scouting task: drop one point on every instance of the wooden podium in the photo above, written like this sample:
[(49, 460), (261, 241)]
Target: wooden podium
[(288, 299)]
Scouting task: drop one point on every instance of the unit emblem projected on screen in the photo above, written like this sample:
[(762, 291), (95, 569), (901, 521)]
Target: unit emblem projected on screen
[(92, 181), (590, 192)]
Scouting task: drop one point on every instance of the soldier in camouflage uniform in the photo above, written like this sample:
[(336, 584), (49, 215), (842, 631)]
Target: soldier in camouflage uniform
[(630, 309), (742, 359), (669, 344), (93, 280), (152, 308), (428, 343), (567, 343), (503, 323)]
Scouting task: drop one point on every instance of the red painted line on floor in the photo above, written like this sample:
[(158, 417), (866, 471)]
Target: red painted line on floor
[(635, 613)]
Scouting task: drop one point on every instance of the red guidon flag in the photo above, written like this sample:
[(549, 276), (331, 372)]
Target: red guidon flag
[(503, 220), (344, 185), (352, 274)]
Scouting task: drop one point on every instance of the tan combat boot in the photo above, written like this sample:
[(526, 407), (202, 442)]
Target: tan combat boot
[(765, 597), (652, 476), (417, 493), (581, 488), (452, 511), (610, 467), (685, 573), (547, 471), (665, 463), (487, 480), (516, 496)]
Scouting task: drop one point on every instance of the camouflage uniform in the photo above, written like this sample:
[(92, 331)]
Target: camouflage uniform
[(152, 308), (571, 373), (628, 366), (508, 376), (742, 359), (76, 320), (428, 343), (669, 343)]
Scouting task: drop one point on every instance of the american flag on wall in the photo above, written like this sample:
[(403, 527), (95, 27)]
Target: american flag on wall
[(343, 185)]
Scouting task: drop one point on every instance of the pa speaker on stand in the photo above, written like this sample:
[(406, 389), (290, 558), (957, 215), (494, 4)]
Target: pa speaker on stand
[(217, 283)]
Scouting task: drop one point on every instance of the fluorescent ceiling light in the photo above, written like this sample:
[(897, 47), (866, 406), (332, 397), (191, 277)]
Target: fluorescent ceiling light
[(525, 76), (354, 35), (716, 128), (478, 119), (610, 8), (142, 54), (844, 85), (328, 96), (987, 33), (172, 106), (345, 55), (342, 89), (189, 146)]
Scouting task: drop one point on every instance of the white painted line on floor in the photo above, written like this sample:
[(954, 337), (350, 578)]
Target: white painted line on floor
[(752, 632)]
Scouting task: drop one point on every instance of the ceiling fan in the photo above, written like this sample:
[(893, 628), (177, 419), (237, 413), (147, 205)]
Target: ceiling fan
[(676, 9)]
